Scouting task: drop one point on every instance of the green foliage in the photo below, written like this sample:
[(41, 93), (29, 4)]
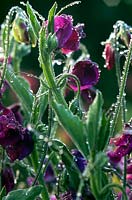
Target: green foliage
[(93, 121), (24, 194), (33, 20), (73, 125), (22, 90), (51, 18), (69, 162)]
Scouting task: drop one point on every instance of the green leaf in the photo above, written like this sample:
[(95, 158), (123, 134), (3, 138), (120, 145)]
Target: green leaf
[(73, 125), (22, 90), (51, 18), (93, 122), (104, 133), (33, 20), (24, 194)]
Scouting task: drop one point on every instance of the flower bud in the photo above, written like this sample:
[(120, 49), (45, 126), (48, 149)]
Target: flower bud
[(23, 32), (20, 30), (125, 37), (109, 56)]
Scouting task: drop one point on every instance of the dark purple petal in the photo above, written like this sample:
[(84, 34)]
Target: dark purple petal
[(7, 179), (72, 44), (114, 157), (10, 129), (88, 74), (63, 28), (16, 140), (22, 148), (79, 159)]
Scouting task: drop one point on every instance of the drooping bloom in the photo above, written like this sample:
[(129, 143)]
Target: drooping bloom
[(123, 145), (7, 179), (87, 72), (68, 36), (109, 56), (16, 140)]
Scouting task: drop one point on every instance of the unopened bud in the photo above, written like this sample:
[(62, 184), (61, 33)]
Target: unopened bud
[(23, 32), (20, 30)]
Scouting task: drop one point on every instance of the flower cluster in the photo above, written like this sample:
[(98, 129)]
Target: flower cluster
[(15, 139)]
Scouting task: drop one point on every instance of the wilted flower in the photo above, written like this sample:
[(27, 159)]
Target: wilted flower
[(109, 56), (68, 36), (16, 140), (7, 179), (88, 74)]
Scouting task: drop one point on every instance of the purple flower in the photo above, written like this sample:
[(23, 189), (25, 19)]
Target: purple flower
[(7, 179), (79, 159), (88, 74), (123, 145), (16, 140), (68, 36), (49, 174), (109, 56)]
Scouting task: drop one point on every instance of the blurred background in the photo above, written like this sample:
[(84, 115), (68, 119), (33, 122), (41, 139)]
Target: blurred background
[(99, 16)]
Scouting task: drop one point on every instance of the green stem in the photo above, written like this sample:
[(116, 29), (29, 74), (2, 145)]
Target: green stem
[(6, 43), (121, 89), (123, 108), (46, 64)]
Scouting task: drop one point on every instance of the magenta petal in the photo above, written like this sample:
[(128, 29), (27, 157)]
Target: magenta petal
[(63, 28), (88, 74), (72, 43)]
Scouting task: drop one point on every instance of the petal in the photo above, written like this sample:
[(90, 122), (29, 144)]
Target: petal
[(88, 74)]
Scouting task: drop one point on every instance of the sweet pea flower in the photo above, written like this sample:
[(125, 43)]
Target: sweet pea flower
[(123, 145), (68, 36), (15, 139), (88, 74)]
